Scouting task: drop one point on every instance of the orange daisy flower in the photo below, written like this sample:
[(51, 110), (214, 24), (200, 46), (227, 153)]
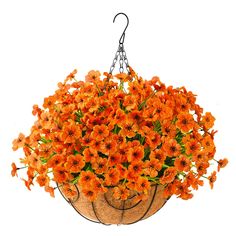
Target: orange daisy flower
[(121, 192), (222, 163), (135, 168), (112, 177), (55, 161), (185, 122), (100, 132), (143, 185), (208, 120), (90, 194), (60, 174), (75, 163), (200, 156), (69, 190), (14, 169), (92, 76), (71, 132), (171, 147), (98, 185), (90, 154), (130, 103), (43, 180), (159, 155), (152, 167), (109, 146), (19, 142), (135, 154), (168, 176), (100, 165), (192, 147), (182, 163), (153, 140), (208, 144), (212, 179), (114, 159), (202, 168), (128, 129), (50, 190), (86, 178)]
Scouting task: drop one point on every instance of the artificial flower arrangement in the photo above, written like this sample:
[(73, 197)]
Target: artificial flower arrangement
[(99, 135)]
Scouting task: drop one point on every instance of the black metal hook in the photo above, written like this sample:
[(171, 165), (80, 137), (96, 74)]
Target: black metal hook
[(122, 38)]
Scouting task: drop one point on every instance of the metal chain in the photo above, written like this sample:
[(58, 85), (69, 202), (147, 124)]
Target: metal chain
[(121, 56)]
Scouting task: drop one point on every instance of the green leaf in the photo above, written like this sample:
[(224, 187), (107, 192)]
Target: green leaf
[(157, 127), (44, 140), (147, 152), (116, 129), (79, 115), (101, 109)]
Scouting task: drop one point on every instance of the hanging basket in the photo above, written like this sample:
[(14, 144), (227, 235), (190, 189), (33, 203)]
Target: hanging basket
[(107, 210), (118, 151)]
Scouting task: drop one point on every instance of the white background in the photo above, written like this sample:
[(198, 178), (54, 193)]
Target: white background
[(190, 43)]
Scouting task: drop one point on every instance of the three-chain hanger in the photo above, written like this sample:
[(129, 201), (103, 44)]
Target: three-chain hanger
[(120, 53)]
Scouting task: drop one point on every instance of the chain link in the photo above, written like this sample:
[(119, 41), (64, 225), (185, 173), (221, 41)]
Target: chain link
[(121, 56)]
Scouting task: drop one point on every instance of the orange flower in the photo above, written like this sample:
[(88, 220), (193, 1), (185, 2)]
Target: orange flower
[(135, 168), (100, 132), (14, 169), (121, 192), (86, 178), (60, 174), (159, 155), (114, 159), (153, 140), (182, 163), (90, 154), (171, 147), (135, 154), (42, 180), (98, 185), (200, 156), (90, 194), (128, 129), (185, 122), (168, 176), (19, 142), (212, 179), (112, 176), (108, 147), (92, 76), (75, 163), (119, 116), (208, 120), (208, 144), (55, 161), (222, 163), (152, 167), (143, 185), (71, 132), (100, 165), (193, 180), (192, 147), (49, 190), (202, 168), (69, 190), (130, 103), (122, 171)]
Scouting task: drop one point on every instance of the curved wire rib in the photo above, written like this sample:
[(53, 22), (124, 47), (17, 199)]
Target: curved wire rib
[(128, 208), (95, 213), (145, 213)]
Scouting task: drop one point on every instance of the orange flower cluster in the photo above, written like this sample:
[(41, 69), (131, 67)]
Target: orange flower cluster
[(102, 134)]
